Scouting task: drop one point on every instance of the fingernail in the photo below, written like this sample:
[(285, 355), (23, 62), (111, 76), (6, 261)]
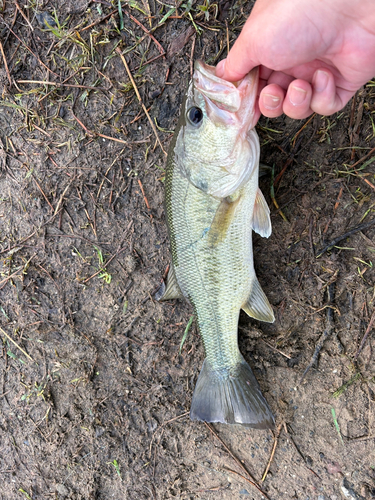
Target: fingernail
[(297, 95), (270, 101), (220, 69), (320, 80)]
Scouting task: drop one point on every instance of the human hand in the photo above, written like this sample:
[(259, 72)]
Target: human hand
[(313, 56)]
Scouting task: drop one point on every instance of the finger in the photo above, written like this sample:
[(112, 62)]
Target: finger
[(281, 79), (220, 69), (241, 58), (326, 97), (264, 73), (231, 70), (297, 100), (271, 101)]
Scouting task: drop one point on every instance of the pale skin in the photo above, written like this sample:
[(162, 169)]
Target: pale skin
[(313, 54)]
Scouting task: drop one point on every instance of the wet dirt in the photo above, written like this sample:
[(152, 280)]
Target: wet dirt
[(94, 391)]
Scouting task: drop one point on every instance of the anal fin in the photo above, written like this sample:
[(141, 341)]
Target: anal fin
[(169, 290), (257, 305)]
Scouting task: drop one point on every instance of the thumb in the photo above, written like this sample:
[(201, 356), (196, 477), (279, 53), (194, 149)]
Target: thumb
[(240, 59)]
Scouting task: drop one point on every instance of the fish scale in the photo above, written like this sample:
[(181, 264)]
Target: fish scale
[(216, 294)]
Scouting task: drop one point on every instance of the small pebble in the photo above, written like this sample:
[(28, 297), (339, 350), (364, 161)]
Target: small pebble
[(99, 431), (62, 490), (45, 20)]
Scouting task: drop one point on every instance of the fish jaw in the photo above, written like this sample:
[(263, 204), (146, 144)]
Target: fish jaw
[(227, 102)]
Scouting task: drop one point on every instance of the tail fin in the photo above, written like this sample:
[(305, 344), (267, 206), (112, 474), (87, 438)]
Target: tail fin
[(231, 397)]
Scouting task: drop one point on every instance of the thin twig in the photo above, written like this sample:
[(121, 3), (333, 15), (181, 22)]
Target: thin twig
[(275, 349), (160, 48), (360, 227), (98, 21), (238, 462), (23, 15), (88, 132), (56, 84), (281, 173), (121, 141), (300, 130), (299, 452), (118, 51), (365, 336), (272, 453), (66, 79), (40, 189), (93, 134), (31, 52), (192, 55), (19, 244), (142, 65), (363, 158), (105, 265), (248, 480), (364, 179), (62, 196), (86, 212), (106, 173), (10, 276), (144, 196), (334, 209), (15, 343), (176, 418), (5, 64), (41, 130)]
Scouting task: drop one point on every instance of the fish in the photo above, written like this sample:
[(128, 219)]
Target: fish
[(212, 205)]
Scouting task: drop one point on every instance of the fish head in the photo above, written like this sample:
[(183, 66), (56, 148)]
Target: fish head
[(216, 147)]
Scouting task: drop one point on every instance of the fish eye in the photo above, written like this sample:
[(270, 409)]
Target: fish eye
[(195, 116)]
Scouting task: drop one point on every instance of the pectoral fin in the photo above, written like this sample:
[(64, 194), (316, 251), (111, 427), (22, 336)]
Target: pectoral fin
[(257, 305), (261, 216), (223, 217), (170, 290)]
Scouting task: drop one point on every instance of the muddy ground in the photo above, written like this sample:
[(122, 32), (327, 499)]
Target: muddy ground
[(94, 393)]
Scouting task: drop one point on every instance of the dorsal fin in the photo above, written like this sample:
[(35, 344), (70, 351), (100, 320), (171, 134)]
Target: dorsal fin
[(261, 216), (257, 305)]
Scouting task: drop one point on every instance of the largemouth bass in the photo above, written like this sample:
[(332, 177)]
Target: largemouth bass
[(213, 204)]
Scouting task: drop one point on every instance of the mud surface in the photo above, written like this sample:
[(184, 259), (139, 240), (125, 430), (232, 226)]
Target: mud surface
[(94, 393)]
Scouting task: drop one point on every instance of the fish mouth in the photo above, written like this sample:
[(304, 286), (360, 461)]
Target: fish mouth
[(223, 93), (227, 102)]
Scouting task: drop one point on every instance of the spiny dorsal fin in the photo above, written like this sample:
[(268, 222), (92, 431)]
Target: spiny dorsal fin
[(171, 290), (261, 216), (257, 305)]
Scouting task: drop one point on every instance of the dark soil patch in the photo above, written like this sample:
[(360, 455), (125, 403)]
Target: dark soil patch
[(101, 408)]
